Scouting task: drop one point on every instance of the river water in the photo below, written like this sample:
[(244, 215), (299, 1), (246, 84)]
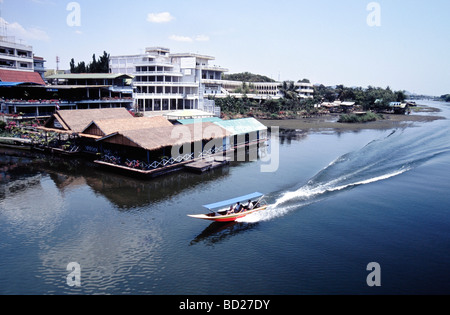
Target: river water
[(337, 203)]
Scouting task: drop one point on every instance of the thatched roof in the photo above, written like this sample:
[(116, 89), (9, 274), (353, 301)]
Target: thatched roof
[(77, 120), (157, 138), (109, 126)]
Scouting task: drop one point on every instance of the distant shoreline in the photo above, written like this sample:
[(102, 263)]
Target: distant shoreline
[(329, 122)]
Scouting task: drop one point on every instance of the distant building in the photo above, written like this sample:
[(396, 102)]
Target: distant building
[(17, 63), (67, 91), (261, 90), (94, 90), (15, 56), (39, 66)]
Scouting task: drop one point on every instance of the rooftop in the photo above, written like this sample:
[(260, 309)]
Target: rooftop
[(88, 76), (21, 76), (110, 126), (157, 138), (77, 120)]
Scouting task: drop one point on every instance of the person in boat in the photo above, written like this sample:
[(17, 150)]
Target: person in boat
[(239, 208), (250, 205), (231, 211)]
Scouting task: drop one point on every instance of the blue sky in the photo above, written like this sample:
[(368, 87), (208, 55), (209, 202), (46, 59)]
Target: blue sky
[(326, 41)]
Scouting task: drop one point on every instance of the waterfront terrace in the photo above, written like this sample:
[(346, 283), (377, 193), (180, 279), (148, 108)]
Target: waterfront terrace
[(147, 146), (68, 91)]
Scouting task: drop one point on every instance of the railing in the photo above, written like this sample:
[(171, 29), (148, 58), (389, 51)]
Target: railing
[(164, 95), (167, 72), (161, 83), (141, 165)]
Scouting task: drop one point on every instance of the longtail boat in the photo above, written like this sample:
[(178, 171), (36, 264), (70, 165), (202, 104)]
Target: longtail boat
[(233, 209)]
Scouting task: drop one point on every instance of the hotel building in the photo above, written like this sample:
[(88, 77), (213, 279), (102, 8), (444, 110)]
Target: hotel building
[(15, 56), (166, 82)]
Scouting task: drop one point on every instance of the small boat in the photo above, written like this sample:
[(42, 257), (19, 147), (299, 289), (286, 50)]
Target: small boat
[(220, 211)]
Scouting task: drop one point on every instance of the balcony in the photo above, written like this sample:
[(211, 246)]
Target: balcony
[(154, 73), (165, 96), (179, 84)]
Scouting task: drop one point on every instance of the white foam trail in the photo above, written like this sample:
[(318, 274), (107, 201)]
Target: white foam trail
[(305, 194)]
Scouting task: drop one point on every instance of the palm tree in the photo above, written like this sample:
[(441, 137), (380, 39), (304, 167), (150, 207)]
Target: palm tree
[(289, 90)]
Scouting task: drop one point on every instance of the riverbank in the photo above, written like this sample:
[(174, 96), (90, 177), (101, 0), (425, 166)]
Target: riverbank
[(330, 122)]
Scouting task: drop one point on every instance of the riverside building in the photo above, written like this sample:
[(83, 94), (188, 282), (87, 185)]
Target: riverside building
[(165, 82), (18, 64)]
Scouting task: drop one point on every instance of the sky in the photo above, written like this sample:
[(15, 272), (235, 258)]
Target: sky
[(403, 44)]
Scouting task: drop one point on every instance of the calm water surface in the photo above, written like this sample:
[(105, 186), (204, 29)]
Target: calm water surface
[(338, 202)]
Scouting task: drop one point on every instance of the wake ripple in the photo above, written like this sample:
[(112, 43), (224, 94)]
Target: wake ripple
[(380, 160)]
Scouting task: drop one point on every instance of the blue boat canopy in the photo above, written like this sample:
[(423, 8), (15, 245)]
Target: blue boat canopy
[(233, 201)]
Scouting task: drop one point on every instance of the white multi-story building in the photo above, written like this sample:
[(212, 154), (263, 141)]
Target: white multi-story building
[(260, 90), (169, 82), (18, 64), (15, 56)]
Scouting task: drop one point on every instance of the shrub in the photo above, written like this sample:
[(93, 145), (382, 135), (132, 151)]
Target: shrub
[(352, 118)]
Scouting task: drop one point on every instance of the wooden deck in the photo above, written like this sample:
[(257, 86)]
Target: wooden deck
[(15, 143), (142, 173), (205, 165), (198, 166)]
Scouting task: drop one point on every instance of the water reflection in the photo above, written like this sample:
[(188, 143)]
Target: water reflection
[(286, 136), (18, 173), (218, 232)]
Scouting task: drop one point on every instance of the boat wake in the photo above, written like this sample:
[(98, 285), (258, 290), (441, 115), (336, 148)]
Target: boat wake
[(379, 160)]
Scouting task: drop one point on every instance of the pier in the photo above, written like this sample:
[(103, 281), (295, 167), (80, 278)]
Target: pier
[(205, 165)]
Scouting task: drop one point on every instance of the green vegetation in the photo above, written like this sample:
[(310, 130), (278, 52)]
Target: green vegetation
[(245, 89), (372, 98), (353, 118), (267, 109), (247, 77), (96, 66), (445, 98)]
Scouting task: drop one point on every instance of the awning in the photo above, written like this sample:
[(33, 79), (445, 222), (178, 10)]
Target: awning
[(201, 120), (226, 203), (241, 126), (11, 84)]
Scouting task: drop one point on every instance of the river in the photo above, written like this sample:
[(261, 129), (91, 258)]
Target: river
[(338, 202)]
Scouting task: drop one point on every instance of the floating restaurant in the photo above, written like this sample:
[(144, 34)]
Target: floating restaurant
[(151, 146)]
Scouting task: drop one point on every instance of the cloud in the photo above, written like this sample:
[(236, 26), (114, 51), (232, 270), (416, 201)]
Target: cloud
[(202, 38), (163, 17), (187, 39), (178, 38), (32, 33)]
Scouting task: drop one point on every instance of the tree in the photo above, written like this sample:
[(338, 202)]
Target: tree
[(96, 66), (401, 96), (445, 97), (247, 77), (289, 90), (72, 66), (104, 62), (324, 93)]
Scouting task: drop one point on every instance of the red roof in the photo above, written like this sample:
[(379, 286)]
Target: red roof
[(21, 76)]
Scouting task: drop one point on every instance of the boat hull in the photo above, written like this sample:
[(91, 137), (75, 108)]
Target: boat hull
[(226, 218)]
